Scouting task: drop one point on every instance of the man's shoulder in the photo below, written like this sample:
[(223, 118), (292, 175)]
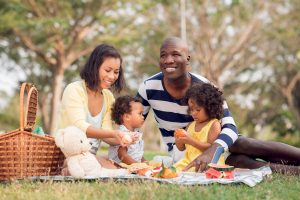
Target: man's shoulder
[(157, 76), (199, 78), (153, 82)]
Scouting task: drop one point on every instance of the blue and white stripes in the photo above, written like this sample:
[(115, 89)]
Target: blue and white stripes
[(171, 113)]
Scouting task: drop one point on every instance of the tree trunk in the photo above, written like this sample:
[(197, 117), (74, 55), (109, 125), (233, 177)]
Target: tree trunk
[(44, 110), (294, 109), (56, 91), (297, 114)]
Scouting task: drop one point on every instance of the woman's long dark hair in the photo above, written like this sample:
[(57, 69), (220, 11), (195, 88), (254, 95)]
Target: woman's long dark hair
[(90, 71)]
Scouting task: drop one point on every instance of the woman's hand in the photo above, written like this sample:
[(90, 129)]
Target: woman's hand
[(123, 138), (126, 138)]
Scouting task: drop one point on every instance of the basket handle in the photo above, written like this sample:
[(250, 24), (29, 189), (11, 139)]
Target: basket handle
[(31, 106)]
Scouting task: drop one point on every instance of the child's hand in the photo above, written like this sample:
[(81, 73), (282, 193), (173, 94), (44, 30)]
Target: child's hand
[(134, 137), (181, 136), (180, 133), (184, 139)]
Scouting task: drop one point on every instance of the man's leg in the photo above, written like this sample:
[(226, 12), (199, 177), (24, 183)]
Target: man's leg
[(243, 161), (274, 152)]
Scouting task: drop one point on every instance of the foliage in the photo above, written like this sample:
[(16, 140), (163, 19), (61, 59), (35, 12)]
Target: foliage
[(248, 48), (273, 81), (9, 117), (49, 38)]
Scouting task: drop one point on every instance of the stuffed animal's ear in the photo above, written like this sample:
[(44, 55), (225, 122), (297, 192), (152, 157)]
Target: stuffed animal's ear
[(59, 138)]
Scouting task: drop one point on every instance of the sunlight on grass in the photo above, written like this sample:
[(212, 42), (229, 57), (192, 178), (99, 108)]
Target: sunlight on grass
[(273, 187), (278, 187)]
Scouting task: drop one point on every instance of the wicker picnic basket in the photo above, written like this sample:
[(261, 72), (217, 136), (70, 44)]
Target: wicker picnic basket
[(23, 153)]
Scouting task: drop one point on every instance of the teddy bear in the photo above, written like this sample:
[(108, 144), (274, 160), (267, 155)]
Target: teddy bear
[(81, 163)]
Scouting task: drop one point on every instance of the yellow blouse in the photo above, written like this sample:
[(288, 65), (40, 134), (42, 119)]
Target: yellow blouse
[(191, 152), (74, 107)]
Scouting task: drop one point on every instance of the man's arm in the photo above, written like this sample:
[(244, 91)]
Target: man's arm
[(229, 132), (227, 137), (143, 96)]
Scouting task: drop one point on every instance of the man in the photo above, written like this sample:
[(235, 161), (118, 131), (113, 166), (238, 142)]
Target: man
[(164, 92)]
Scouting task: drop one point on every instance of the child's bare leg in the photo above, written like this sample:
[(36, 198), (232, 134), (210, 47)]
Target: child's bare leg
[(109, 168), (275, 152), (104, 162), (243, 161)]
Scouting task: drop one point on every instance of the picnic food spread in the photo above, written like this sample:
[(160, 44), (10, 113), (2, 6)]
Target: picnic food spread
[(166, 172), (144, 169), (134, 167)]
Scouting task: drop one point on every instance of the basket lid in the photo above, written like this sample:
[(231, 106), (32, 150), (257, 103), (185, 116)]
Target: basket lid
[(28, 116)]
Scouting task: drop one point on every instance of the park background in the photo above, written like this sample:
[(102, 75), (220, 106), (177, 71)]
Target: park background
[(249, 49)]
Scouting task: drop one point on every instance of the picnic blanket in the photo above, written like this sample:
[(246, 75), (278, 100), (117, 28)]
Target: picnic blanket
[(248, 177)]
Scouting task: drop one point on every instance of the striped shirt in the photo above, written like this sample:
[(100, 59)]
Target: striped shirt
[(171, 113)]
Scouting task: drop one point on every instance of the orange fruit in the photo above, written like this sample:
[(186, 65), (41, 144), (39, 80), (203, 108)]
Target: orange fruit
[(168, 173), (179, 133), (144, 172)]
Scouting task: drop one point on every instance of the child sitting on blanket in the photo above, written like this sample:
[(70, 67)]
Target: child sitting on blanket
[(127, 112), (205, 106)]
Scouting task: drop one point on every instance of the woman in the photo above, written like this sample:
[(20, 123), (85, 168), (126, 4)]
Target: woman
[(86, 104)]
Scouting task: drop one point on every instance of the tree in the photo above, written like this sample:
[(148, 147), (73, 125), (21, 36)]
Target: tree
[(54, 36), (282, 56), (285, 60), (233, 43)]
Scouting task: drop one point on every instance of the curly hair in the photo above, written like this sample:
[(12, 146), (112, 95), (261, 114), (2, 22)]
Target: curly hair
[(207, 96), (90, 71), (122, 106)]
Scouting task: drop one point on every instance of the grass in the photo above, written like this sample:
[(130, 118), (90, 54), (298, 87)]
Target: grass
[(279, 187), (276, 187)]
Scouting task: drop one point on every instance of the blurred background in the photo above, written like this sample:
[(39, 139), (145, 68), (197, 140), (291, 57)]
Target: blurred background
[(250, 49)]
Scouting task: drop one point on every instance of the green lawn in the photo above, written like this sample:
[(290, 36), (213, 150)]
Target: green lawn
[(279, 187), (275, 187)]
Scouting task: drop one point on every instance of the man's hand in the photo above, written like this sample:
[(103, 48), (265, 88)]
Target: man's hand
[(201, 162)]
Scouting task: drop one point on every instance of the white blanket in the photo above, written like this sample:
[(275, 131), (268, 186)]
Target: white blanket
[(248, 177)]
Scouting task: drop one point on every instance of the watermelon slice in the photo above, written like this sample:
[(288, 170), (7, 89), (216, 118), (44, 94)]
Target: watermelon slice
[(222, 168), (211, 173)]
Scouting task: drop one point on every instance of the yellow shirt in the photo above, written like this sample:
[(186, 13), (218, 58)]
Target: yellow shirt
[(74, 107), (191, 152)]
